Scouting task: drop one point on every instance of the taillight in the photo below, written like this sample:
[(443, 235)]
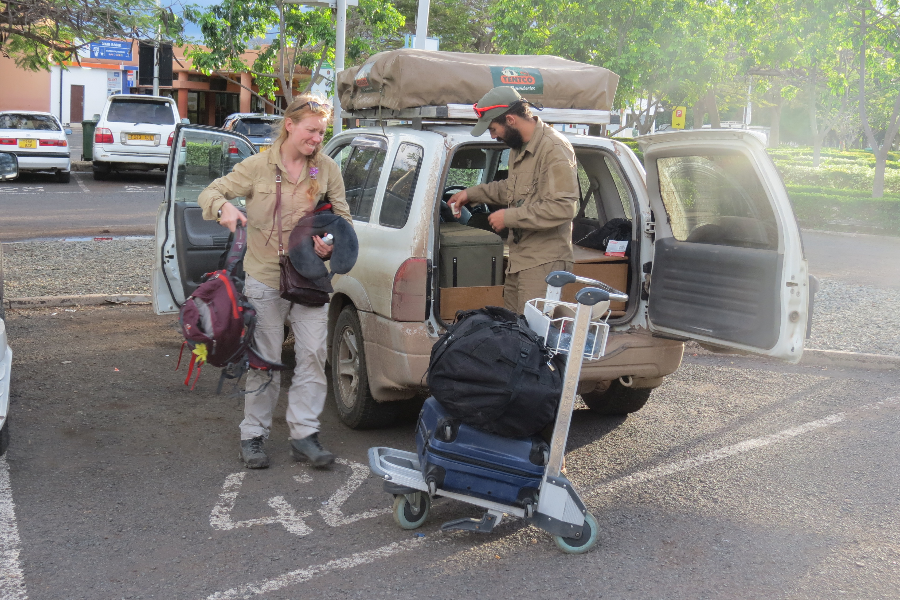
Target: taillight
[(8, 141), (232, 148), (103, 136), (171, 139), (62, 143), (409, 291)]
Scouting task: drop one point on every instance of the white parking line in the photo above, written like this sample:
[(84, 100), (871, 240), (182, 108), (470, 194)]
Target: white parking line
[(302, 575), (12, 581)]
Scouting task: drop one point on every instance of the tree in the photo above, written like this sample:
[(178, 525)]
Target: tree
[(40, 33), (461, 25), (664, 51), (234, 33), (877, 41)]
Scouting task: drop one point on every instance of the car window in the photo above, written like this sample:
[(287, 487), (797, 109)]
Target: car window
[(361, 173), (153, 112), (401, 186), (588, 194), (341, 155), (467, 167), (716, 199), (26, 121), (621, 187), (203, 157), (256, 127)]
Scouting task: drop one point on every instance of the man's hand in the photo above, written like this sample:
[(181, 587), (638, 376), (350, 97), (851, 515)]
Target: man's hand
[(323, 250), (231, 216), (457, 201), (496, 219)]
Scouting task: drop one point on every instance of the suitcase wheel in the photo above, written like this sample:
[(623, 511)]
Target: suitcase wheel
[(411, 510), (584, 543)]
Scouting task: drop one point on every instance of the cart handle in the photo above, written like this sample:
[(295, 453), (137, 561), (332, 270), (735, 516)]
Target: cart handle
[(561, 278), (590, 296)]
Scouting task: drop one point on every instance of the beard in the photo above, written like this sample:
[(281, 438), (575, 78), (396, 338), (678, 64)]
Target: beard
[(511, 137)]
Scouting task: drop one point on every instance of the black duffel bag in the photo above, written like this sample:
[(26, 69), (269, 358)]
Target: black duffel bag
[(492, 372)]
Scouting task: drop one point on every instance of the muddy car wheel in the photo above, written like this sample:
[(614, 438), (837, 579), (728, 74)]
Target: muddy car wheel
[(355, 404), (616, 400)]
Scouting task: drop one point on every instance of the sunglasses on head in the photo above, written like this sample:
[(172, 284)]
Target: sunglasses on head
[(318, 106)]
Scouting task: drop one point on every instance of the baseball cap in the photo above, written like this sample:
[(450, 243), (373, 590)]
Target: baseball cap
[(492, 105)]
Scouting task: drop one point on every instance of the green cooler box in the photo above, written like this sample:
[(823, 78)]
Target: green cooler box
[(470, 257)]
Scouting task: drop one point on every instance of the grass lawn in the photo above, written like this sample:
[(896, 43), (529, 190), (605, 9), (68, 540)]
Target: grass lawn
[(837, 195)]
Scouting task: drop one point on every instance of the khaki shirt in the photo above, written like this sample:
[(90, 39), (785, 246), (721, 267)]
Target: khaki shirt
[(254, 178), (541, 197)]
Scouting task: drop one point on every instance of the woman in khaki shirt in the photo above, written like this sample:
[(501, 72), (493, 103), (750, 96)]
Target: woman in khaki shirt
[(307, 176)]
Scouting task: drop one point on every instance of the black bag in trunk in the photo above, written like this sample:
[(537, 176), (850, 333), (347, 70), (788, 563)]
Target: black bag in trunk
[(492, 372)]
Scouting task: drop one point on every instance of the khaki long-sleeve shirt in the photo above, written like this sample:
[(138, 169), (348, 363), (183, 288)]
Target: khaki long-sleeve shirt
[(254, 179), (541, 198)]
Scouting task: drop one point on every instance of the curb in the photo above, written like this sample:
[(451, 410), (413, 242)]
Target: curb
[(85, 300), (838, 358), (82, 166)]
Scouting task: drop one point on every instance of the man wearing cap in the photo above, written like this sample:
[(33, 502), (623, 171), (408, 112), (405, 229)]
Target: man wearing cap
[(539, 197)]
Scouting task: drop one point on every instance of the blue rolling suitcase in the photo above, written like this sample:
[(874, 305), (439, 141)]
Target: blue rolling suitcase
[(462, 459)]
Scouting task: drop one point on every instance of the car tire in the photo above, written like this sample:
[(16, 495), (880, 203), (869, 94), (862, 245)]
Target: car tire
[(63, 176), (4, 436), (349, 379), (617, 400), (101, 172)]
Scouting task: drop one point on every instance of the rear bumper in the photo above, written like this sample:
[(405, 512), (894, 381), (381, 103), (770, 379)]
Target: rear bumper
[(43, 161), (131, 157), (397, 357)]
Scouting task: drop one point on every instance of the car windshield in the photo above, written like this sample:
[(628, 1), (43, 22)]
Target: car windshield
[(26, 121), (141, 111), (257, 127)]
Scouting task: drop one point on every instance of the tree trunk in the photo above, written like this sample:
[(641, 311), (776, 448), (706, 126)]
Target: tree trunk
[(880, 164), (775, 124), (813, 120), (714, 121), (699, 109)]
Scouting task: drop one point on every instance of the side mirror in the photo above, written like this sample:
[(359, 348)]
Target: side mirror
[(68, 131), (186, 121), (9, 166)]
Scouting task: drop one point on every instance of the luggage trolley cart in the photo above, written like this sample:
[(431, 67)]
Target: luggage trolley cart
[(556, 506)]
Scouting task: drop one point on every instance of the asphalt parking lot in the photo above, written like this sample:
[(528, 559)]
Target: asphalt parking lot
[(742, 478)]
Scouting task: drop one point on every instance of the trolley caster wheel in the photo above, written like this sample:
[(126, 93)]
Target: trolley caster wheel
[(411, 514), (584, 543)]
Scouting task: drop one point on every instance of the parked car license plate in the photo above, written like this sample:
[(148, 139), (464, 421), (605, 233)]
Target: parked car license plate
[(27, 143), (140, 136), (264, 148)]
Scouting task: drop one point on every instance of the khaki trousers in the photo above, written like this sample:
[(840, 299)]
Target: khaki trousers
[(529, 283), (306, 397)]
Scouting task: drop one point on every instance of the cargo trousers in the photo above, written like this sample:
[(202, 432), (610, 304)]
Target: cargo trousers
[(531, 283), (306, 396)]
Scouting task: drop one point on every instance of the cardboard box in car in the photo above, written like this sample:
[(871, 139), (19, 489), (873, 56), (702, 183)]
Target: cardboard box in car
[(594, 264), (469, 257)]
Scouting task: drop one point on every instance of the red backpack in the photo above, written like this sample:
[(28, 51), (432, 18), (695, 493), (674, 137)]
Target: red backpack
[(218, 322)]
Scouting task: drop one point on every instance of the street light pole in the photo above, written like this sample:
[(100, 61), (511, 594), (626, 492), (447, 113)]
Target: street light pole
[(156, 55), (340, 48), (422, 23)]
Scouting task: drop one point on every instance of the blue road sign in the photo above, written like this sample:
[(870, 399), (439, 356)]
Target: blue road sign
[(111, 49)]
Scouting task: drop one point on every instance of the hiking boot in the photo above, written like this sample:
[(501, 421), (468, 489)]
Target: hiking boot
[(309, 449), (252, 453)]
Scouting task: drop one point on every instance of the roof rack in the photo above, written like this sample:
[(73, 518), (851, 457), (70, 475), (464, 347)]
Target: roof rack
[(464, 113)]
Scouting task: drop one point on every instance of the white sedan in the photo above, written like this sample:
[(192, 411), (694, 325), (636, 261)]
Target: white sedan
[(38, 140)]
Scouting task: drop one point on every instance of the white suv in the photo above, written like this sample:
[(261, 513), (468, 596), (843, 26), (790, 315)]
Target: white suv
[(135, 132), (715, 254)]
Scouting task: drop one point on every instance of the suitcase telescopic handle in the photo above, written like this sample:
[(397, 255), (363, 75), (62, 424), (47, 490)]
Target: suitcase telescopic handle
[(560, 278)]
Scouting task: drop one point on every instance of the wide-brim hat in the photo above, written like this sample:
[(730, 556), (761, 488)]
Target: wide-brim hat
[(495, 103)]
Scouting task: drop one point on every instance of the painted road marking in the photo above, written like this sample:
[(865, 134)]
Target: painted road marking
[(332, 511), (81, 185), (615, 485), (302, 575), (220, 518), (12, 580)]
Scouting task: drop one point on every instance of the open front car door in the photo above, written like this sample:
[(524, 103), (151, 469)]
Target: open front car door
[(187, 246), (728, 266)]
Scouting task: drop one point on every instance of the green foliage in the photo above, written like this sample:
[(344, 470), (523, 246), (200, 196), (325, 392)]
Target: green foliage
[(232, 31), (40, 33), (202, 154), (838, 170), (824, 208)]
